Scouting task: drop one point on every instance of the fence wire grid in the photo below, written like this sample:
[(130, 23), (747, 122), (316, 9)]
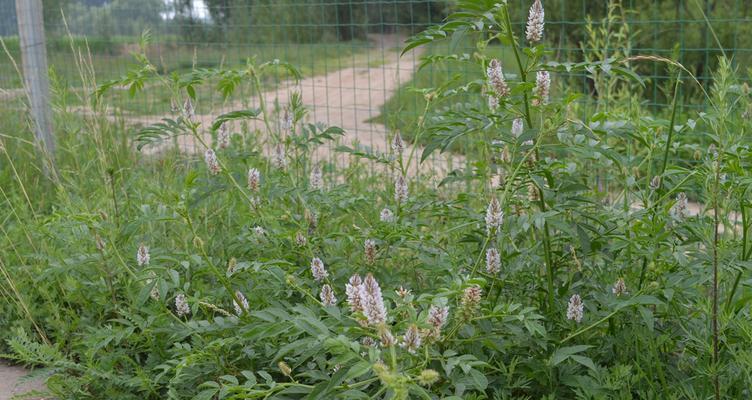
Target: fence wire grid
[(349, 50)]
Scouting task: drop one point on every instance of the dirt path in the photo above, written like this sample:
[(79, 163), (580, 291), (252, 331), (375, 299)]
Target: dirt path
[(12, 384), (347, 98)]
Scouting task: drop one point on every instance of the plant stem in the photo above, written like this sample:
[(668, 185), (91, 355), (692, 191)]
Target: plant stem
[(223, 166), (262, 102), (716, 210), (523, 73), (744, 256), (600, 321), (642, 272), (671, 125), (416, 140), (217, 273), (480, 256), (542, 201), (114, 195)]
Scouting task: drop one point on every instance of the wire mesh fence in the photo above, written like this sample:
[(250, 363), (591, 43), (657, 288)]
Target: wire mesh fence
[(349, 50)]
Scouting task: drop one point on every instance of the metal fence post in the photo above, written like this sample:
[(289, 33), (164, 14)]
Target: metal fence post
[(36, 79)]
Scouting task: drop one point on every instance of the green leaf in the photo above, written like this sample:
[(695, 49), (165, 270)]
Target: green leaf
[(365, 152), (324, 388), (235, 115), (157, 133), (647, 317), (565, 352), (535, 327), (586, 361), (479, 380), (358, 370), (645, 300), (285, 65), (206, 394), (420, 392), (425, 37)]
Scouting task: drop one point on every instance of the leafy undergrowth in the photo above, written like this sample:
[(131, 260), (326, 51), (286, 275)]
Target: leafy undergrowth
[(565, 261)]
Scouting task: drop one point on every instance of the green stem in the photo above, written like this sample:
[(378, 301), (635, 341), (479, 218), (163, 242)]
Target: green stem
[(743, 258), (542, 202), (225, 171), (596, 323), (523, 73), (716, 239), (107, 275), (217, 273), (262, 102), (671, 125), (111, 173), (642, 272), (416, 141), (480, 256)]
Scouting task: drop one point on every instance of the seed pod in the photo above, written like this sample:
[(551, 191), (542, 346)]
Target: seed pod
[(470, 301), (285, 369), (428, 377)]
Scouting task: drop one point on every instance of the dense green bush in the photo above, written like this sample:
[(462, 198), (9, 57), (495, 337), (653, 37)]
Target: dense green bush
[(564, 260)]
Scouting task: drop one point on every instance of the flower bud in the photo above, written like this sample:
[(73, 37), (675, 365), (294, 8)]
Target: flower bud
[(285, 369), (535, 22), (428, 377)]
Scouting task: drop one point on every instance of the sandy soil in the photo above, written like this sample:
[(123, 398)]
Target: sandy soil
[(11, 384)]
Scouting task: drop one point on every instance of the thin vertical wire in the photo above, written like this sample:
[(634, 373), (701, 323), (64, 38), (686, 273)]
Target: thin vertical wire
[(353, 88), (326, 47), (340, 39), (367, 13)]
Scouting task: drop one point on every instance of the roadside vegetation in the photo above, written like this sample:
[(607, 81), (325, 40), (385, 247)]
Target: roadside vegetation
[(586, 250)]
